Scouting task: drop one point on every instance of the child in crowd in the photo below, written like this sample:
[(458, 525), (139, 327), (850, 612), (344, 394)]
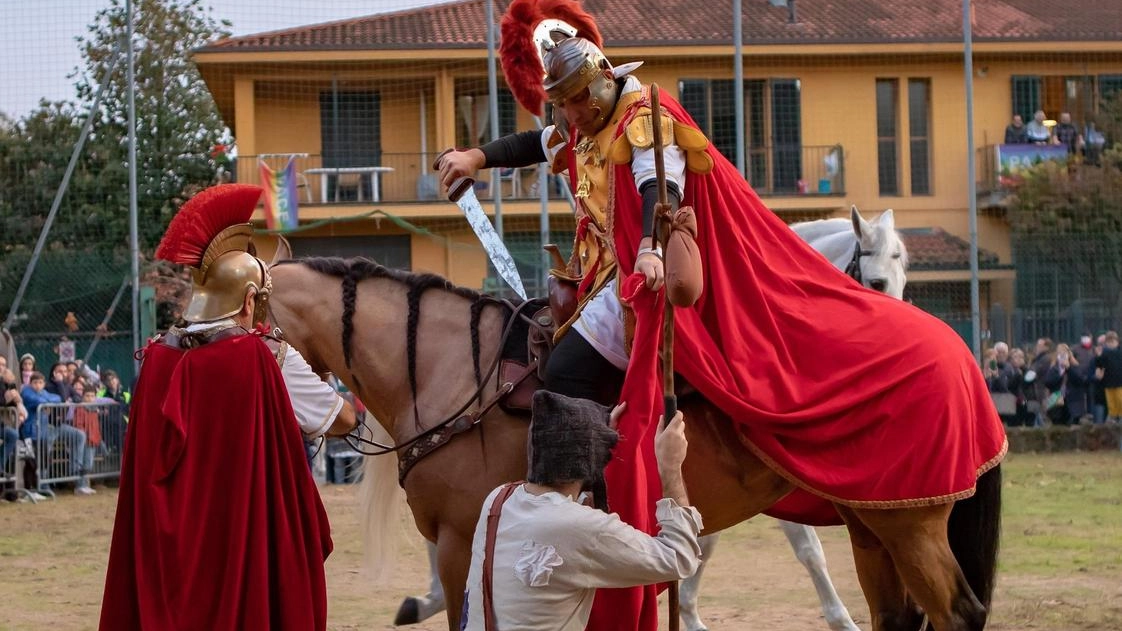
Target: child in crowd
[(86, 419)]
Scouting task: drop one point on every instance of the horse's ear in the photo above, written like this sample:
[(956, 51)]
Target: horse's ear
[(861, 228), (271, 248), (887, 220)]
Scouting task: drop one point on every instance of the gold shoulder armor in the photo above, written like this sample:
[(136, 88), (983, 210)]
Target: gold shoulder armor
[(640, 131), (694, 143), (639, 134)]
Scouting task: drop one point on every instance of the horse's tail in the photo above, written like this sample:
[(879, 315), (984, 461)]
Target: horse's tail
[(381, 503), (974, 530)]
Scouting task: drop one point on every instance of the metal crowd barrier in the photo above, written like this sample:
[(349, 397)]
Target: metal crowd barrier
[(9, 440), (16, 472), (78, 442)]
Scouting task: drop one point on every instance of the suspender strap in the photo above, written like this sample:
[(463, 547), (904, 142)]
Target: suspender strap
[(489, 554)]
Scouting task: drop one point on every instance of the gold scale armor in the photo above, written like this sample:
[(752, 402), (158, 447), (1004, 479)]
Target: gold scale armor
[(576, 64)]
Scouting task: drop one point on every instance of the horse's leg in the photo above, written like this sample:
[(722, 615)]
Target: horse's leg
[(454, 556), (916, 538), (808, 550), (884, 590), (687, 597), (414, 609)]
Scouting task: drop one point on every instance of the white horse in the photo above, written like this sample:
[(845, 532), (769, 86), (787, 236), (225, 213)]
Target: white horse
[(873, 254)]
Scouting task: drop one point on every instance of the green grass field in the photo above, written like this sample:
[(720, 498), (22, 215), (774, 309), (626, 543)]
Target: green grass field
[(1061, 560)]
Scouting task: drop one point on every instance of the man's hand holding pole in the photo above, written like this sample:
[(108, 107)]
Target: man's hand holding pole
[(670, 451)]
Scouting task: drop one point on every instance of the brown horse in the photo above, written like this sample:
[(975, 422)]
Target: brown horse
[(412, 347)]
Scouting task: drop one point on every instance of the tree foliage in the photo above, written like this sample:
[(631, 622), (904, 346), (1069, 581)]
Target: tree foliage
[(177, 121), (177, 124)]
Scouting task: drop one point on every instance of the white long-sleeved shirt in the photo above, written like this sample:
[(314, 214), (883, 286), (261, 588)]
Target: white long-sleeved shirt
[(552, 553)]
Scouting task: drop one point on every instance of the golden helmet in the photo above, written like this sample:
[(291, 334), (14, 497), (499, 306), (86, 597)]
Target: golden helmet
[(211, 234)]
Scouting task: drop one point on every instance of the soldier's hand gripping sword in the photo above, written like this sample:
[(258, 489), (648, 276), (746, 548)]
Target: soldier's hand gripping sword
[(462, 193)]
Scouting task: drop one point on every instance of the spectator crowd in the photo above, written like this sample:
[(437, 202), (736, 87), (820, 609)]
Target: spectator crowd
[(86, 429), (1060, 385), (1088, 142)]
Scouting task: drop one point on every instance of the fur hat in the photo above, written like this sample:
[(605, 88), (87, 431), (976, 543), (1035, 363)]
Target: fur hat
[(570, 440)]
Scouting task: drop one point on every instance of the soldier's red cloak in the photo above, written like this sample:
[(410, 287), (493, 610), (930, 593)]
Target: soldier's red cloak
[(852, 395), (219, 523)]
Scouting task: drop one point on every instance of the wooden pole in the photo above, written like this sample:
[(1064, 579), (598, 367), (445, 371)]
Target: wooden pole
[(661, 235)]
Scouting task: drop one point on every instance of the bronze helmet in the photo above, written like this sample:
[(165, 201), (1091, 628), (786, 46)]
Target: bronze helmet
[(575, 64), (227, 273), (211, 235)]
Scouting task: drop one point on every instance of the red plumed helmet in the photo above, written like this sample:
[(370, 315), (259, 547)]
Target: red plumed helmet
[(204, 217), (520, 54)]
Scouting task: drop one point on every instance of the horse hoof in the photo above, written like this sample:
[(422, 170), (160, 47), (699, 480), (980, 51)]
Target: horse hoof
[(408, 613)]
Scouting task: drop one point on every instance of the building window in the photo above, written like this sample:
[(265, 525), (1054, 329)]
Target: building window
[(773, 126), (1082, 96), (351, 133), (473, 112), (888, 136), (1110, 86), (919, 134), (1026, 97)]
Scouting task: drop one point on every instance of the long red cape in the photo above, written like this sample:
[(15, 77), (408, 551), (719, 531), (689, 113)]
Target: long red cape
[(854, 396), (219, 523)]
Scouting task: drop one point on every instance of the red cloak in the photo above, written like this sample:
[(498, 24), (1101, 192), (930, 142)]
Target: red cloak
[(219, 523), (854, 396)]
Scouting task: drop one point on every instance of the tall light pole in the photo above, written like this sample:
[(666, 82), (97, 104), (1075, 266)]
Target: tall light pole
[(493, 89), (738, 83), (971, 184), (134, 233)]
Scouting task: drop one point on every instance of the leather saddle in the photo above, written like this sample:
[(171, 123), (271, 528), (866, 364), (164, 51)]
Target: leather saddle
[(525, 356)]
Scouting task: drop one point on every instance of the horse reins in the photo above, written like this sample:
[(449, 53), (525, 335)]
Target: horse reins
[(356, 440)]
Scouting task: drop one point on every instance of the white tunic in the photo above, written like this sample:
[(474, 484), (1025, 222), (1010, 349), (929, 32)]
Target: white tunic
[(552, 553), (601, 320)]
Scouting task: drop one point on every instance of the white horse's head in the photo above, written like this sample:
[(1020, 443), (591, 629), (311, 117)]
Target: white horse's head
[(882, 257)]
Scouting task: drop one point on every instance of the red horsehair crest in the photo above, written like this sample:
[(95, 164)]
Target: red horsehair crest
[(529, 29)]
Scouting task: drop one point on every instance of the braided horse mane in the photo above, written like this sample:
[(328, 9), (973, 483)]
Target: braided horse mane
[(354, 270)]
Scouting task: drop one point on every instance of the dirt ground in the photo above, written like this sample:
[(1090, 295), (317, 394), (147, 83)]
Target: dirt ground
[(1061, 560)]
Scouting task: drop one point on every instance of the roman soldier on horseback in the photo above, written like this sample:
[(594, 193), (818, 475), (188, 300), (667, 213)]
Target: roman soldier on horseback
[(591, 101)]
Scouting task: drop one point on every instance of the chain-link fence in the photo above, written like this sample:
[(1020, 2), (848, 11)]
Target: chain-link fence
[(862, 104)]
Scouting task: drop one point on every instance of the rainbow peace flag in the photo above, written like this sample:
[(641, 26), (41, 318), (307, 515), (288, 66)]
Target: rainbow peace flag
[(281, 200)]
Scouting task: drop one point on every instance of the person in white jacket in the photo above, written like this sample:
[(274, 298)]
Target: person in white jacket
[(551, 551)]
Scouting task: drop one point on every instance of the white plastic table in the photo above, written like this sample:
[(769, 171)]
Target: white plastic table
[(375, 184)]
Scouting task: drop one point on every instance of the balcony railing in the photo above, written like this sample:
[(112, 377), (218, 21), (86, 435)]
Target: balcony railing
[(796, 170), (409, 177), (396, 178)]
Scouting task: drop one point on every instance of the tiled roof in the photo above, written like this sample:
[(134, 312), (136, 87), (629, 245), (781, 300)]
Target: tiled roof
[(689, 22), (936, 249)]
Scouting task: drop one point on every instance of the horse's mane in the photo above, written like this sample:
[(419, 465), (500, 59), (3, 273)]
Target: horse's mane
[(361, 268), (354, 270)]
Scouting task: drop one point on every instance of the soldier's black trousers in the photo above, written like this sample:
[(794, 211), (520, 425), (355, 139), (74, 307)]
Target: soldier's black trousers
[(576, 369)]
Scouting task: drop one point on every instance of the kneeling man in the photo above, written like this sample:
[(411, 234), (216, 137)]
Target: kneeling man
[(539, 553)]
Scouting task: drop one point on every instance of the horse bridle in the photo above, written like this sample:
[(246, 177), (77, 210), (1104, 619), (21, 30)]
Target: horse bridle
[(853, 270), (358, 441)]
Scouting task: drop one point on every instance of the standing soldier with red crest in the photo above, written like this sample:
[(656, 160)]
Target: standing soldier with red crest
[(219, 523)]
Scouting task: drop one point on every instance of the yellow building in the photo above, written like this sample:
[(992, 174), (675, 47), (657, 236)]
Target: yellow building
[(859, 102)]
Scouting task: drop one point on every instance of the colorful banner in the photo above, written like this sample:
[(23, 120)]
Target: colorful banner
[(1013, 160), (281, 201)]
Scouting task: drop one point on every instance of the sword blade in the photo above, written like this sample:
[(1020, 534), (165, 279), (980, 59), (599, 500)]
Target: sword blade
[(492, 244)]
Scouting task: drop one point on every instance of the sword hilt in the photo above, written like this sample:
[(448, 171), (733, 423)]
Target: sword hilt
[(460, 186)]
